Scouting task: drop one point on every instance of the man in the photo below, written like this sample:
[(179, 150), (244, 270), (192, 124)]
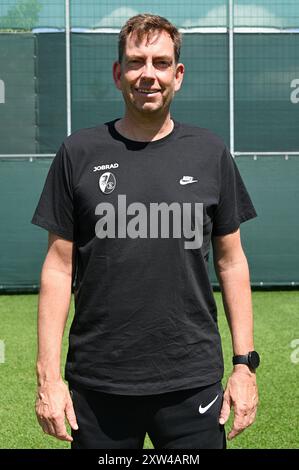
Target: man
[(131, 207)]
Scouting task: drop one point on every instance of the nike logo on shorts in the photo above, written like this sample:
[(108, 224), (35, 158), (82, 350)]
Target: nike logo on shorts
[(203, 409)]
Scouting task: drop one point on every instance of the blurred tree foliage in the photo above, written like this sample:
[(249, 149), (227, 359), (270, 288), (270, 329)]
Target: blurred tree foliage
[(23, 16)]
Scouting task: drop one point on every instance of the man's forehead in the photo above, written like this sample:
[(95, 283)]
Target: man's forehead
[(152, 39)]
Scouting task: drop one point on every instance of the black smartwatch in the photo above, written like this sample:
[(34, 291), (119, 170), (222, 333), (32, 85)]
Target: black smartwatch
[(252, 360)]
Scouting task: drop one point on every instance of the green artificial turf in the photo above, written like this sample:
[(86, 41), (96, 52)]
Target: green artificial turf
[(276, 325)]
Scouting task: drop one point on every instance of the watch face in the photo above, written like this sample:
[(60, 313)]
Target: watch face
[(254, 359)]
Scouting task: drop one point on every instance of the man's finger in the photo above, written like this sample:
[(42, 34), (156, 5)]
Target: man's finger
[(70, 415), (225, 410), (46, 426), (251, 418), (60, 430), (51, 428), (234, 432), (42, 422), (240, 423)]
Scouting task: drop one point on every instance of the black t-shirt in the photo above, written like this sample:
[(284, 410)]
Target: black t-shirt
[(145, 316)]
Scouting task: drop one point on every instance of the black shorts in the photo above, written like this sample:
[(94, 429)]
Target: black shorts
[(184, 419)]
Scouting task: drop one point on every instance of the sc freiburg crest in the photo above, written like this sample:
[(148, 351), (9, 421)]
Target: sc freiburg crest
[(107, 182)]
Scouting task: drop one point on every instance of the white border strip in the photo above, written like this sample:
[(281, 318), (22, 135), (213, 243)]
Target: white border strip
[(27, 155), (215, 29), (210, 29), (96, 30), (231, 79), (248, 29), (68, 67), (202, 30), (267, 154), (236, 154)]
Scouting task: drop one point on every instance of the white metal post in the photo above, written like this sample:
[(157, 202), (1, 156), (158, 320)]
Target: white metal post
[(68, 67), (231, 77)]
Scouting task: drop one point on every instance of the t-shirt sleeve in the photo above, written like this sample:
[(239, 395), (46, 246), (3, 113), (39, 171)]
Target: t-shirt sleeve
[(54, 211), (235, 205)]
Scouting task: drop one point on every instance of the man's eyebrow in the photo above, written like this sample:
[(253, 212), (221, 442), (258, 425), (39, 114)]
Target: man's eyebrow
[(164, 57), (133, 56), (159, 57)]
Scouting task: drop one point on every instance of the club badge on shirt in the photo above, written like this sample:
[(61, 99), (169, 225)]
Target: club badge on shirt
[(107, 182)]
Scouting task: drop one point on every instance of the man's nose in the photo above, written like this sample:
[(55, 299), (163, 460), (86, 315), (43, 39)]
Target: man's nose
[(148, 70)]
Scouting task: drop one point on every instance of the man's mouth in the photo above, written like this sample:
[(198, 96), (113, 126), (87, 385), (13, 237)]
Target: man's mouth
[(147, 91)]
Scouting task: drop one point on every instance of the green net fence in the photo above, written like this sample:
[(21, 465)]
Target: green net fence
[(262, 115)]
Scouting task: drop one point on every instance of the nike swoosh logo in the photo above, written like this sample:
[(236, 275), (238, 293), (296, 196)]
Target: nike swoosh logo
[(202, 409), (182, 181)]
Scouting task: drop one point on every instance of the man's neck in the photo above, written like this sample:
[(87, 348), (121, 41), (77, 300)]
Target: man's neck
[(145, 130)]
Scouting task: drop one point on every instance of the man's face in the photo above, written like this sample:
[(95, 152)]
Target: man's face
[(148, 76)]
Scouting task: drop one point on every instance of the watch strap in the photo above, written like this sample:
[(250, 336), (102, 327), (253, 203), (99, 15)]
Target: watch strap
[(241, 359)]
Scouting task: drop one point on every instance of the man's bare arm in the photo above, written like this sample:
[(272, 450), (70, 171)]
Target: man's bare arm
[(53, 401), (233, 274)]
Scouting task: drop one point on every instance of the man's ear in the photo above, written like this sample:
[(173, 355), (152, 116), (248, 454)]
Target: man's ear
[(117, 74), (179, 75)]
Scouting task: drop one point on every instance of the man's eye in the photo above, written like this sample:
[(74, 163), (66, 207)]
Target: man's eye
[(162, 64), (134, 62)]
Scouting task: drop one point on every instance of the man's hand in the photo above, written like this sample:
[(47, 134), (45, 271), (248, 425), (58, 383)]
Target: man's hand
[(241, 394), (53, 404)]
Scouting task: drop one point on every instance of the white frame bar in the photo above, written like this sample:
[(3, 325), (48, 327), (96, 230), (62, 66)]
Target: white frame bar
[(194, 30), (30, 156), (210, 29), (231, 78), (250, 30), (267, 154), (68, 67)]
